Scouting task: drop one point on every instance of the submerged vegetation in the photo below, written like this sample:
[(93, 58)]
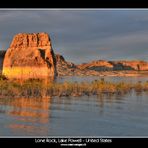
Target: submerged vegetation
[(40, 88)]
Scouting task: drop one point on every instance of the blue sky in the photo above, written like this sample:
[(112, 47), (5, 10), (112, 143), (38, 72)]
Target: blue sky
[(83, 35)]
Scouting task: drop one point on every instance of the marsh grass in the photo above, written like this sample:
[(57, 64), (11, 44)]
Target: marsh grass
[(40, 88)]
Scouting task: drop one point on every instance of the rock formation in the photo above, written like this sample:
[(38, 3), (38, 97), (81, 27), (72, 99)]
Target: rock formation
[(100, 65), (30, 56), (64, 67), (130, 65)]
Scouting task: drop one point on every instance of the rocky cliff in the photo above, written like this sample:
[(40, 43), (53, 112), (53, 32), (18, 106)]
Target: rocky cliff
[(30, 56), (64, 67)]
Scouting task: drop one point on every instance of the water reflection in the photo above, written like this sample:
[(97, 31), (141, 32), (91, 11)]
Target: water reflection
[(31, 107), (110, 98), (68, 115), (106, 78), (29, 115)]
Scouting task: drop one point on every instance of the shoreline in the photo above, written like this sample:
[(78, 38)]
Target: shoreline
[(121, 73)]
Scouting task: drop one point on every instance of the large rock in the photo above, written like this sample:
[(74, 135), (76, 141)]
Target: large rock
[(30, 56)]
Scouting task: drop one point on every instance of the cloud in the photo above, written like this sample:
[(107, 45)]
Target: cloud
[(83, 35)]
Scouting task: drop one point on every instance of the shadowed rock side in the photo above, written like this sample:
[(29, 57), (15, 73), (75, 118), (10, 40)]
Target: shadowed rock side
[(2, 54), (30, 56), (66, 68)]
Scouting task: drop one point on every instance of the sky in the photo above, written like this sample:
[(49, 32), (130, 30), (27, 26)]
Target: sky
[(83, 35)]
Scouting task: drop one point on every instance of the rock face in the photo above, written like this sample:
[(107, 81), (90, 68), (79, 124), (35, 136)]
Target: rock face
[(100, 65), (30, 56), (130, 65), (66, 68), (63, 67)]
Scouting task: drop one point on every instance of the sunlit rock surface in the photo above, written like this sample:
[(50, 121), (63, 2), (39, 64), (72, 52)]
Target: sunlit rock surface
[(30, 55)]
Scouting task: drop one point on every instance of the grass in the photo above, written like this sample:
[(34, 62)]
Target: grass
[(40, 88)]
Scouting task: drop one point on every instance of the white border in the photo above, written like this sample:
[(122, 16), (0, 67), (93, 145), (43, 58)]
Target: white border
[(115, 9), (68, 9)]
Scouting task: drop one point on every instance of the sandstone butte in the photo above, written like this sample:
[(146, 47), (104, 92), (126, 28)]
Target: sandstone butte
[(30, 55)]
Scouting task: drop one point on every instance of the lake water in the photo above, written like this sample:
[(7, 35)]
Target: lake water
[(112, 79), (124, 115)]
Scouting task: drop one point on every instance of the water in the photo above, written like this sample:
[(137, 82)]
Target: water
[(107, 78), (120, 115)]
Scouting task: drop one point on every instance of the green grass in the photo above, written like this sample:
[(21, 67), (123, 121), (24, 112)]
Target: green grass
[(40, 88)]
